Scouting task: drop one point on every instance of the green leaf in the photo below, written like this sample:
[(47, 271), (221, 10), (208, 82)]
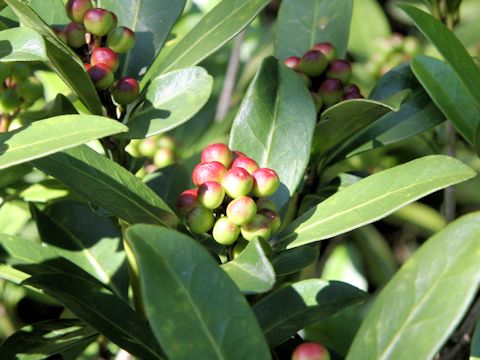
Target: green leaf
[(443, 271), (291, 261), (286, 311), (62, 59), (342, 121), (101, 309), (302, 24), (475, 344), (10, 274), (22, 44), (151, 20), (92, 242), (449, 94), (36, 140), (108, 185), (274, 125), (218, 26), (61, 105), (171, 100), (41, 340), (251, 271), (198, 300), (373, 198), (14, 215)]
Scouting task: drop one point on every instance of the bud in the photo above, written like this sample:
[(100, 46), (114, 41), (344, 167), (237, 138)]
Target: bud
[(331, 91), (292, 62), (327, 49), (245, 163), (273, 218), (225, 232), (30, 89), (258, 227), (75, 34), (211, 194), (101, 76), (76, 9), (99, 21), (218, 152), (265, 182), (105, 56), (163, 158), (208, 171), (237, 182), (264, 203), (310, 351), (341, 70), (200, 220), (313, 63), (186, 201), (121, 39), (125, 91), (242, 210)]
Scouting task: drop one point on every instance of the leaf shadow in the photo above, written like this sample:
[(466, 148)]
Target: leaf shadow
[(8, 135), (143, 118)]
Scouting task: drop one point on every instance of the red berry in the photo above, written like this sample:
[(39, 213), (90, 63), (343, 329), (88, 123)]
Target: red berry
[(292, 62), (258, 227), (211, 194), (208, 171), (87, 66), (310, 351), (105, 56), (313, 63), (218, 152), (341, 70), (242, 210), (265, 182), (76, 9), (101, 76), (99, 21), (237, 182), (125, 91), (245, 163), (186, 201), (327, 49)]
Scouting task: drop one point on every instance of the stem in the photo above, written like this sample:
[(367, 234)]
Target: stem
[(5, 122), (134, 273), (449, 192)]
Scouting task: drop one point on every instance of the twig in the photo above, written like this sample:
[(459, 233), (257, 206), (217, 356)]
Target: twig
[(227, 91), (449, 193)]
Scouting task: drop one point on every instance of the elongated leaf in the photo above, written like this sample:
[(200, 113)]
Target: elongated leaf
[(302, 24), (198, 300), (22, 44), (101, 309), (171, 100), (443, 271), (44, 339), (449, 94), (276, 117), (36, 140), (73, 231), (251, 271), (11, 274), (61, 58), (108, 185), (218, 26), (475, 345), (373, 198), (291, 261), (151, 20), (286, 311)]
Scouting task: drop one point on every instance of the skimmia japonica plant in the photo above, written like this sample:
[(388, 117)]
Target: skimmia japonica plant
[(239, 179)]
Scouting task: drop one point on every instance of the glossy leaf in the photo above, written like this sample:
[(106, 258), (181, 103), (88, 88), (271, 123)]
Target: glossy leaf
[(291, 261), (198, 300), (108, 185), (274, 125), (41, 340), (61, 58), (73, 231), (21, 44), (36, 140), (443, 271), (11, 274), (449, 94), (304, 24), (286, 311), (218, 26), (151, 20), (373, 198), (251, 271), (101, 309), (171, 100)]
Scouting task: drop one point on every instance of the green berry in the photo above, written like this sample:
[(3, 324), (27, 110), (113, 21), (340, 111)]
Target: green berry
[(9, 101), (200, 220), (341, 70), (258, 227), (101, 76), (76, 9), (313, 63), (147, 147), (273, 217), (75, 34), (30, 89), (245, 163), (242, 210), (125, 91), (225, 232), (163, 158), (167, 142), (211, 194), (121, 39), (99, 21), (60, 34)]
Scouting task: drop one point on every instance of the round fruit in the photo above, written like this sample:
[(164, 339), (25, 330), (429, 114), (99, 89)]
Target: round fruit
[(211, 194), (273, 217), (352, 95), (30, 89), (341, 70), (265, 182), (60, 34), (186, 201), (237, 182), (331, 91), (76, 9), (121, 39), (125, 91), (292, 62), (163, 158), (147, 147), (242, 210), (225, 232), (310, 351), (327, 49), (200, 220), (313, 63), (99, 21), (75, 34), (101, 76), (245, 163), (218, 152), (258, 227), (9, 101), (105, 56), (167, 142), (208, 171), (264, 203)]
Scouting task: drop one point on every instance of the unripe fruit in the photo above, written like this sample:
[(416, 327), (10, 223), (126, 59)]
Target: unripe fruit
[(225, 232), (218, 152), (258, 227), (341, 70), (163, 158), (147, 147), (125, 91), (352, 95), (30, 89), (245, 163), (352, 88), (60, 34), (4, 71), (264, 203), (313, 63), (237, 182), (310, 351), (208, 171), (292, 62), (99, 21), (76, 9), (121, 39), (105, 56), (273, 217), (211, 194), (327, 49), (9, 101), (75, 34), (331, 91), (186, 201), (167, 142), (200, 220), (242, 210), (317, 101), (20, 72), (101, 76), (265, 182)]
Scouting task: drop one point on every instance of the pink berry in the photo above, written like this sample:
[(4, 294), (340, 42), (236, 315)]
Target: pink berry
[(208, 171), (292, 62), (245, 163), (310, 351), (76, 9), (105, 56), (75, 34), (186, 201), (242, 210), (237, 182), (265, 182), (211, 194), (218, 152)]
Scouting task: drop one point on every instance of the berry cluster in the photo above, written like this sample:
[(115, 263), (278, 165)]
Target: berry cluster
[(96, 38), (230, 197), (327, 77), (160, 149), (18, 87)]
